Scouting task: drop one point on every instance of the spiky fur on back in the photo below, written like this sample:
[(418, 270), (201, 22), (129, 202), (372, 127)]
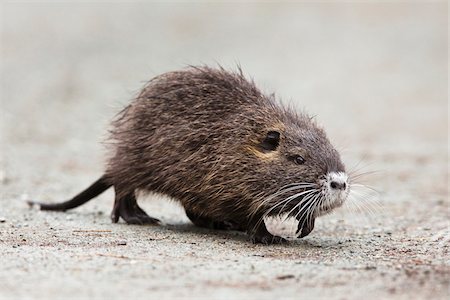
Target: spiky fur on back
[(194, 135)]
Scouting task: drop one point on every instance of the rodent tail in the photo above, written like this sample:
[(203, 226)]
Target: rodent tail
[(93, 191)]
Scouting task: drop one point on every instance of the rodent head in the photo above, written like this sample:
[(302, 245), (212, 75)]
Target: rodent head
[(303, 169)]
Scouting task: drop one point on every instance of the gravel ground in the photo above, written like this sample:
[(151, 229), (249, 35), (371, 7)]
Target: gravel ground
[(374, 74)]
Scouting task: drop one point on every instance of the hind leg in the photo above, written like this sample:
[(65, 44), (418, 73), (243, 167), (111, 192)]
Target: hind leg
[(126, 207), (211, 224)]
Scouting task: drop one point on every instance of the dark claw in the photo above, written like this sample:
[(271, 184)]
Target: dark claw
[(141, 220), (131, 213), (305, 227)]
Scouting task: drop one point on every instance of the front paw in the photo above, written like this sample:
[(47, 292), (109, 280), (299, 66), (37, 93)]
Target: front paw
[(305, 228)]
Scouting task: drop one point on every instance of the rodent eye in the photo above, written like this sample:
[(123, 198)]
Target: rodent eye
[(299, 160), (271, 141)]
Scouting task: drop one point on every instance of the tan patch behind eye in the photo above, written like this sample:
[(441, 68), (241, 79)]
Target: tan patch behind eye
[(269, 155)]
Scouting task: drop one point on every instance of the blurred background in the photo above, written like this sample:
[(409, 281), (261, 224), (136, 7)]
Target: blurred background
[(373, 73), (368, 71)]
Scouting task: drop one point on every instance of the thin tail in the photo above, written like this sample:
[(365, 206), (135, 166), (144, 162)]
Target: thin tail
[(93, 191)]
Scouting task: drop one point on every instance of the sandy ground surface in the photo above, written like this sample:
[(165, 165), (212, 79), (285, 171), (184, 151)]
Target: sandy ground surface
[(375, 75)]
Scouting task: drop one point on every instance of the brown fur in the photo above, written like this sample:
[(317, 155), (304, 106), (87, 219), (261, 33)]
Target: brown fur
[(196, 136)]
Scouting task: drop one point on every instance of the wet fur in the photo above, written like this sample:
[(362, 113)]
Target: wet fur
[(195, 135)]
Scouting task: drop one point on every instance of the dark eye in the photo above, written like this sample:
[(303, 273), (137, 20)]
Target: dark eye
[(271, 141), (299, 160)]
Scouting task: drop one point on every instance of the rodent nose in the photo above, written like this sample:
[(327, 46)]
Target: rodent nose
[(338, 185)]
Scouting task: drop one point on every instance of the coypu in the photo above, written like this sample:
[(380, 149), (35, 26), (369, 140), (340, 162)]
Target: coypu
[(228, 153)]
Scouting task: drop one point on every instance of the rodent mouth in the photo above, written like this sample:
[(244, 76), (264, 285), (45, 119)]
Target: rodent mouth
[(331, 201), (334, 192), (307, 201)]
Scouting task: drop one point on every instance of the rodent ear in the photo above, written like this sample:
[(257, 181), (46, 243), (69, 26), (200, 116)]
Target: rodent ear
[(271, 141)]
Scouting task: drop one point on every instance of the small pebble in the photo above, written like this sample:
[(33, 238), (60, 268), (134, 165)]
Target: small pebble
[(2, 220), (283, 277), (121, 243)]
